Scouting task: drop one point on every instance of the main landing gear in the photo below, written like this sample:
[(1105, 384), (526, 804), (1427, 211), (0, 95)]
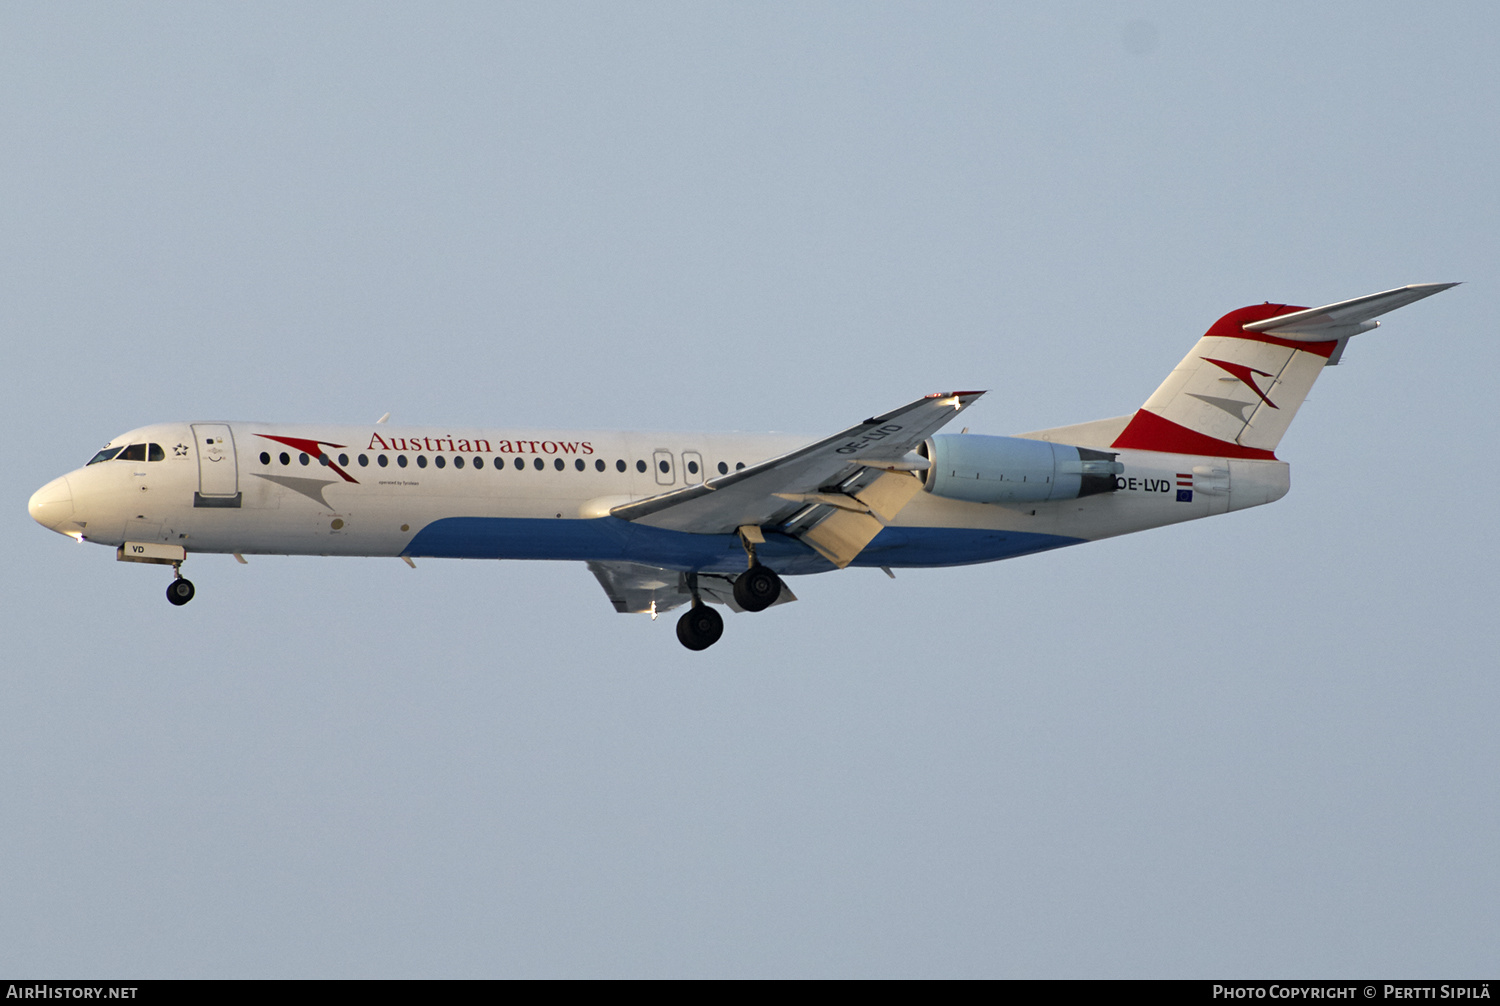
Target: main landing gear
[(756, 589), (701, 627)]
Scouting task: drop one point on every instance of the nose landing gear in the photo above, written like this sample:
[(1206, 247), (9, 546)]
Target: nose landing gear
[(180, 591)]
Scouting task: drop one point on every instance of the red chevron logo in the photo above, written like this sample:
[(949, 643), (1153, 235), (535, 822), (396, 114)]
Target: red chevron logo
[(314, 448), (1245, 374)]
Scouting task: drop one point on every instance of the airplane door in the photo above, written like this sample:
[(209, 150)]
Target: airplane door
[(663, 464), (692, 467), (218, 470)]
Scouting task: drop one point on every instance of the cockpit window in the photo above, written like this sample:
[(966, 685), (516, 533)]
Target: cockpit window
[(155, 453), (104, 455), (135, 452)]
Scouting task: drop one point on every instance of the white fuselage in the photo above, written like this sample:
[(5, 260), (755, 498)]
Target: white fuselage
[(375, 490)]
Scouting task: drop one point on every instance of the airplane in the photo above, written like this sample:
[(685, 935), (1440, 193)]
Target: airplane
[(667, 519)]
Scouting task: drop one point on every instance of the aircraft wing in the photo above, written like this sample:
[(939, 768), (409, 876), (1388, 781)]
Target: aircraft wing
[(634, 587), (834, 493)]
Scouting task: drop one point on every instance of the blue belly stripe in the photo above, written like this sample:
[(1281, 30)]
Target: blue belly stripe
[(954, 546), (609, 539)]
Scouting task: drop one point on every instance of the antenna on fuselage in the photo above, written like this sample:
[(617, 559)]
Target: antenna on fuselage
[(382, 419)]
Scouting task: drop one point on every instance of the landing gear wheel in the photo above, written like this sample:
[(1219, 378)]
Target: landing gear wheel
[(757, 588), (180, 591), (700, 628)]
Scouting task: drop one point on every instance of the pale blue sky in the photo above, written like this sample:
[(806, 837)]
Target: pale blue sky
[(1260, 745)]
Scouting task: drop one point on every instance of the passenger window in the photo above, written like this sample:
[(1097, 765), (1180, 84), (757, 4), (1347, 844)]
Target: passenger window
[(692, 468), (421, 461), (458, 462), (104, 455), (440, 461), (303, 458), (400, 460), (599, 465), (344, 460), (155, 453), (723, 468), (286, 458), (520, 464), (640, 466), (479, 463), (380, 460), (579, 464), (364, 460), (557, 463), (738, 465), (620, 465), (265, 457), (539, 464)]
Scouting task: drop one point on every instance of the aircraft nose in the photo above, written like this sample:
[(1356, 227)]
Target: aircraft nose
[(52, 503)]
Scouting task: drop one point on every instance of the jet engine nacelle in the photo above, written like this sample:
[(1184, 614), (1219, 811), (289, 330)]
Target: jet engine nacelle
[(1015, 470)]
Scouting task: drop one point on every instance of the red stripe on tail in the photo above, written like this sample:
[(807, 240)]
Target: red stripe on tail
[(1149, 432), (1232, 325)]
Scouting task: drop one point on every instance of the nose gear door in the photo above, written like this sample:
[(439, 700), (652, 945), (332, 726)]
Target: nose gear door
[(218, 469)]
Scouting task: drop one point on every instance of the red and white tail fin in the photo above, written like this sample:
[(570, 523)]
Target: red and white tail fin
[(1235, 394)]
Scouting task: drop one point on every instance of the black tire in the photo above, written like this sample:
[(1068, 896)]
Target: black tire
[(180, 591), (757, 588), (700, 628)]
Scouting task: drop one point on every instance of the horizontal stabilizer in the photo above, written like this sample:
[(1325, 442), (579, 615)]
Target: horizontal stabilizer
[(1346, 318)]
